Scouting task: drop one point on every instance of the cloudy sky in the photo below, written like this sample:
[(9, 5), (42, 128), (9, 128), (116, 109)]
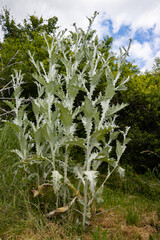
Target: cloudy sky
[(121, 19)]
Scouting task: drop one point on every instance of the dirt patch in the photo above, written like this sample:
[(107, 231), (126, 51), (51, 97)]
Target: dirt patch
[(115, 224)]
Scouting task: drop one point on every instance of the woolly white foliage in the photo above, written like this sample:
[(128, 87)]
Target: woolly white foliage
[(79, 173), (57, 112), (91, 176), (56, 180)]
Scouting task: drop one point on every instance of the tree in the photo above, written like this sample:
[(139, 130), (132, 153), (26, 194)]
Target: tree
[(31, 24), (143, 114), (18, 40)]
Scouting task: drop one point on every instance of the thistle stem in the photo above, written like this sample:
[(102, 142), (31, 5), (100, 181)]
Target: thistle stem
[(53, 151), (65, 172), (86, 167), (85, 203)]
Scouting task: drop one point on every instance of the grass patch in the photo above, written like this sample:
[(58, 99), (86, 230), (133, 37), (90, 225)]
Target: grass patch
[(132, 217), (98, 234)]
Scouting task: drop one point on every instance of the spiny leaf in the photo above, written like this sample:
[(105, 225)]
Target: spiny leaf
[(79, 55), (91, 177), (38, 136), (72, 91), (109, 74), (19, 153), (88, 108), (65, 115), (9, 104), (96, 78), (14, 126), (92, 157), (36, 107), (77, 142), (87, 123), (127, 140), (99, 134), (121, 171), (115, 108), (79, 173), (121, 88), (20, 114), (67, 63), (17, 92), (110, 89), (119, 149), (47, 133), (98, 195), (39, 78), (56, 179), (114, 135)]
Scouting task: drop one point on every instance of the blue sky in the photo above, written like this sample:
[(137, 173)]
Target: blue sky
[(121, 19), (143, 49)]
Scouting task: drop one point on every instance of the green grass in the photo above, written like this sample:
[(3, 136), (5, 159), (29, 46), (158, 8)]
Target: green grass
[(132, 216), (97, 234)]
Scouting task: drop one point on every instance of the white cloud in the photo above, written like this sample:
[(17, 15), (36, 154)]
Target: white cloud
[(142, 53), (156, 43), (144, 13), (141, 50), (158, 54), (139, 14)]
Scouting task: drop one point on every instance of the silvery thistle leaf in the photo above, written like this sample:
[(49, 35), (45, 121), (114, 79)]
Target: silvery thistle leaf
[(121, 171), (96, 164), (98, 195), (92, 157), (110, 89), (79, 173), (56, 180), (91, 177), (119, 149), (9, 104), (114, 109), (19, 153)]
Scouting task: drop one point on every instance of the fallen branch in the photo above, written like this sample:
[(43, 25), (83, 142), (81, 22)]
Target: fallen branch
[(107, 210)]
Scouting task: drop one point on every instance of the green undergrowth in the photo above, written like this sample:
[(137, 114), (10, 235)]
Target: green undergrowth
[(141, 185)]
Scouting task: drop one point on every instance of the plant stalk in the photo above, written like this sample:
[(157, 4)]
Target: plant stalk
[(86, 167), (53, 152), (65, 173)]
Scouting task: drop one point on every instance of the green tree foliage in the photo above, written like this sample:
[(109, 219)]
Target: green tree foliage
[(156, 66), (18, 40), (143, 114), (30, 25)]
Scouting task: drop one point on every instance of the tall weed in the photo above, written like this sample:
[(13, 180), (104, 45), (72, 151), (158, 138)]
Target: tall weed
[(45, 144)]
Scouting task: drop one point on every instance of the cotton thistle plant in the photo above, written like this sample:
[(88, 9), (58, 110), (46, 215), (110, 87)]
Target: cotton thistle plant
[(58, 115), (19, 123)]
